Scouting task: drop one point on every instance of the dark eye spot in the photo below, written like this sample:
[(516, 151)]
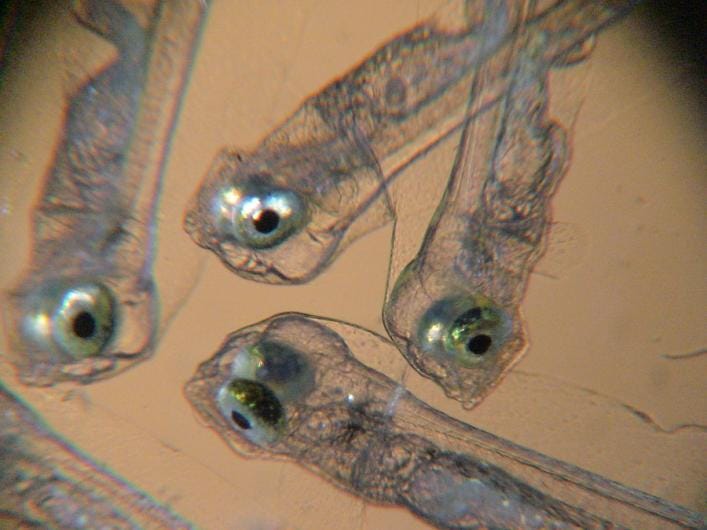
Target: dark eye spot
[(268, 408), (479, 344), (266, 221), (260, 401), (84, 325), (395, 93), (240, 420), (469, 317), (350, 431), (475, 313), (280, 364)]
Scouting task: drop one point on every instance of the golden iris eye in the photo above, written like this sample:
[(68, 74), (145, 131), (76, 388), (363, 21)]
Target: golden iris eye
[(252, 408), (258, 216), (78, 318), (466, 329)]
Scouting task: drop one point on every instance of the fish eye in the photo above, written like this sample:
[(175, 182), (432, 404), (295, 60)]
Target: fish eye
[(284, 370), (259, 217), (84, 320), (79, 319), (470, 330), (253, 409)]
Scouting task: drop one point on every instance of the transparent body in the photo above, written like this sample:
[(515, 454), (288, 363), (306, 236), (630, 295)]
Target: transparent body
[(311, 401), (86, 305), (599, 327)]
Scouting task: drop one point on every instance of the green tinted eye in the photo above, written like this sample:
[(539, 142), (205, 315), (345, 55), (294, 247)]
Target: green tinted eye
[(469, 330), (84, 320), (259, 217), (76, 318), (253, 409)]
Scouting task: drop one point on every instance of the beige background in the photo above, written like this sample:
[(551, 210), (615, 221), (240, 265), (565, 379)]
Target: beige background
[(631, 290)]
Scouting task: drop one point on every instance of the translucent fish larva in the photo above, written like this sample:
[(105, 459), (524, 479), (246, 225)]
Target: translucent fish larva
[(86, 305), (333, 158), (454, 310), (360, 430)]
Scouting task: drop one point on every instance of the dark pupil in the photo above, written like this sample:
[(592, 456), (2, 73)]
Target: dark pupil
[(84, 325), (240, 420), (479, 344), (266, 221)]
